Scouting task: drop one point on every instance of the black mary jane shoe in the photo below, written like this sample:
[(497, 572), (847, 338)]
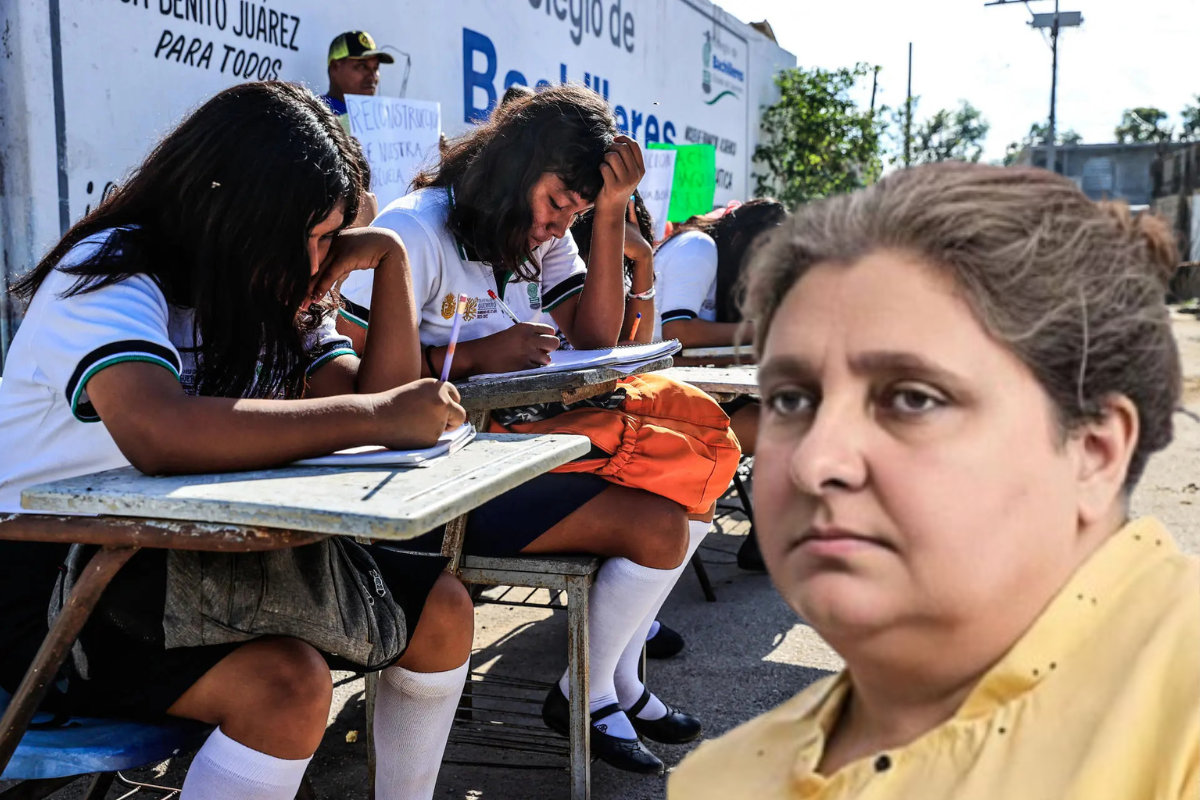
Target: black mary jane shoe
[(675, 728), (667, 643), (629, 755)]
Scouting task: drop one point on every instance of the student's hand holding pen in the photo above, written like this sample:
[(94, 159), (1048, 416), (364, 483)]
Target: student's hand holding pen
[(522, 346), (416, 414)]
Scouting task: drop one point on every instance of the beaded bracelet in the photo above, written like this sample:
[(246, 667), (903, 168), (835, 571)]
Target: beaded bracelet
[(646, 295)]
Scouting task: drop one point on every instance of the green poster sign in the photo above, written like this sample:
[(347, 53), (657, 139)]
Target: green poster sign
[(695, 180)]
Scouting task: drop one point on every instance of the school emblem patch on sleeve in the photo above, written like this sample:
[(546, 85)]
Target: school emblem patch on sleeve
[(535, 296), (448, 306)]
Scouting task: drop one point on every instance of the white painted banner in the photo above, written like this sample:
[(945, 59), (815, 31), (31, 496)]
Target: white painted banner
[(655, 187), (398, 136)]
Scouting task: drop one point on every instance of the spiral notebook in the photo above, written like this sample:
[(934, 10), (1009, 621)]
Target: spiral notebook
[(373, 456), (625, 358)]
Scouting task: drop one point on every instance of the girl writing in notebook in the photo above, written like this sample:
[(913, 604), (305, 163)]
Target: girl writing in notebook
[(495, 215), (181, 327)]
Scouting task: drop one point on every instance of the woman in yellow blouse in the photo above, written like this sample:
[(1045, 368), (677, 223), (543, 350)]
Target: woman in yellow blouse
[(964, 370)]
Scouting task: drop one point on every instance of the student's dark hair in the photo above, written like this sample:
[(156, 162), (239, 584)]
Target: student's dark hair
[(219, 216), (514, 93), (581, 229), (1071, 287), (564, 130), (734, 232)]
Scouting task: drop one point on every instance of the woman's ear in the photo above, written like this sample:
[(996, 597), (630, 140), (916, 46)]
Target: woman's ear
[(1104, 449)]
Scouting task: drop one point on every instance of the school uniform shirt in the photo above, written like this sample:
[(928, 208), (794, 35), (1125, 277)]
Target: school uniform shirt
[(48, 428), (1099, 700), (685, 270), (442, 268)]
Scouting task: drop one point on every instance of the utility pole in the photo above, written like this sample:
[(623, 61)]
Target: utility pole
[(908, 114), (1055, 22)]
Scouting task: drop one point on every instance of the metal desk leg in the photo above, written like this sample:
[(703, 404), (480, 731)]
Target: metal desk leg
[(702, 575), (744, 496), (58, 642), (577, 669), (372, 681)]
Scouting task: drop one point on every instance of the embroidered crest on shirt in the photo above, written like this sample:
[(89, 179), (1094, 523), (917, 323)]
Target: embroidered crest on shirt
[(472, 310), (535, 297), (448, 306)]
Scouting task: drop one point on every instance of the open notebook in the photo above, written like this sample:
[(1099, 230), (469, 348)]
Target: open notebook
[(626, 358), (371, 456)]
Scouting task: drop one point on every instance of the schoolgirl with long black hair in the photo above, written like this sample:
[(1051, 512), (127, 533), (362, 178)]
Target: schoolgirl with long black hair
[(182, 327)]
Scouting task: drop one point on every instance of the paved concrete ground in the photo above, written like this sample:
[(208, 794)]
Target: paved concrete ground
[(746, 653)]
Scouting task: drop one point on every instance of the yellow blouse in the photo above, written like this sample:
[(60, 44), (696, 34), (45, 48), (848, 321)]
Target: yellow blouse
[(1099, 700)]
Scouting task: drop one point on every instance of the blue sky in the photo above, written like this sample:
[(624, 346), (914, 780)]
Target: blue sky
[(1127, 53)]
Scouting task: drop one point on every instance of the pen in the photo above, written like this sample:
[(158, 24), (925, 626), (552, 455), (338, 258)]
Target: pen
[(636, 321), (458, 315), (508, 311)]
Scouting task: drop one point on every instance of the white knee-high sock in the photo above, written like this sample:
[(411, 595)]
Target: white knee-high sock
[(224, 768), (620, 598), (629, 688), (413, 715)]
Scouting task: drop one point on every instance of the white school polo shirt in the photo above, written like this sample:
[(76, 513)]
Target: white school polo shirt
[(685, 269), (48, 429), (442, 269)]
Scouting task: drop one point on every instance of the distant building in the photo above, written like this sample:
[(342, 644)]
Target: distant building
[(1177, 200), (1107, 171)]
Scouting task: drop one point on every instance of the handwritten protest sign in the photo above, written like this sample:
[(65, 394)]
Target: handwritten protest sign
[(398, 137), (695, 181), (655, 187)]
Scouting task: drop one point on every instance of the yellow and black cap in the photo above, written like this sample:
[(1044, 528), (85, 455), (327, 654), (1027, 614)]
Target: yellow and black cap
[(356, 44)]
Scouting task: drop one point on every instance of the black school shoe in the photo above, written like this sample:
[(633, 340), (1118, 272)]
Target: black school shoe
[(625, 754), (664, 644), (675, 728)]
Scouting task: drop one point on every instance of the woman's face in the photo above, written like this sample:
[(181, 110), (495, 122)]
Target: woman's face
[(909, 473), (320, 238), (554, 207)]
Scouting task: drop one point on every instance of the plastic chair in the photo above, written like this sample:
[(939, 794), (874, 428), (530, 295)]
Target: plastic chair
[(56, 751)]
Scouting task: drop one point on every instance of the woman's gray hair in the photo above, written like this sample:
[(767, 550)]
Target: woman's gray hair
[(1074, 288)]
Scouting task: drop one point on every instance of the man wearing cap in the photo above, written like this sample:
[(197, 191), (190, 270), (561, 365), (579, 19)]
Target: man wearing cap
[(353, 69)]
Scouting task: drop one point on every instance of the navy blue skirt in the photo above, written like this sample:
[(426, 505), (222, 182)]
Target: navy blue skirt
[(507, 525)]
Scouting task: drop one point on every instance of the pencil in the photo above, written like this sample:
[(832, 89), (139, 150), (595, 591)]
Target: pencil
[(458, 316), (508, 311), (636, 321)]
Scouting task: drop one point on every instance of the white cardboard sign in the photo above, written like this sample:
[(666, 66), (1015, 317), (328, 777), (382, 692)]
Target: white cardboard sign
[(398, 136), (655, 187)]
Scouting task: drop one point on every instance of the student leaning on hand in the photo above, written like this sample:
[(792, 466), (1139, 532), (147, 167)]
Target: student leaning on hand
[(964, 370)]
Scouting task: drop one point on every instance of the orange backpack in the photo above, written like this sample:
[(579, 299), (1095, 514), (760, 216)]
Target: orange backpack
[(668, 438)]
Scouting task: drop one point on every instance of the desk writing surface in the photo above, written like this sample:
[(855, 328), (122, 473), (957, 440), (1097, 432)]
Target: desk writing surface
[(735, 381), (745, 351), (381, 503), (532, 389)]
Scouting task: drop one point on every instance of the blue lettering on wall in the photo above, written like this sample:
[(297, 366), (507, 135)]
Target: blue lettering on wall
[(480, 92), (475, 42), (728, 68)]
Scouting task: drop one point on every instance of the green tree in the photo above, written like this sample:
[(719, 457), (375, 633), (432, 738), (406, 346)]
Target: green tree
[(1143, 124), (1190, 131), (816, 141), (948, 135), (1037, 136)]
